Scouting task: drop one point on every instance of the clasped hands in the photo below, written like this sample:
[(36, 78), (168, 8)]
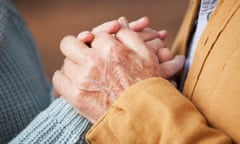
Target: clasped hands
[(101, 64)]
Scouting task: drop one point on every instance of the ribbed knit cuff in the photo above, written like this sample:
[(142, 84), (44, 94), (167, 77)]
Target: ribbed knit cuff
[(59, 123)]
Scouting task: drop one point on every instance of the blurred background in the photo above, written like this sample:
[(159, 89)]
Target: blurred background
[(50, 20)]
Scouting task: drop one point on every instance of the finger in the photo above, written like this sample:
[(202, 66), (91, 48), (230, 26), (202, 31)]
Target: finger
[(72, 70), (170, 68), (133, 41), (85, 36), (139, 24), (148, 34), (104, 42), (155, 45), (123, 22), (67, 89), (108, 27), (164, 54), (74, 49), (62, 85), (163, 34)]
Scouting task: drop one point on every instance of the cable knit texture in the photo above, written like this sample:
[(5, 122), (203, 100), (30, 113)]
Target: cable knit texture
[(25, 91)]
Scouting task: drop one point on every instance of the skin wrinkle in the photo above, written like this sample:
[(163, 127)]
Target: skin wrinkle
[(118, 72), (115, 76)]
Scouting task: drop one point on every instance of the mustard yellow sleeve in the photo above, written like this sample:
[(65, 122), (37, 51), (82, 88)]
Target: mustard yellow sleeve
[(153, 111)]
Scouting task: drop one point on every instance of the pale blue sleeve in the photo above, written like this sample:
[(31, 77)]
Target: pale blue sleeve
[(58, 124)]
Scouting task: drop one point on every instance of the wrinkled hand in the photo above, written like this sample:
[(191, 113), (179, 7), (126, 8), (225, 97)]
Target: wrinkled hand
[(91, 79), (153, 39), (103, 71)]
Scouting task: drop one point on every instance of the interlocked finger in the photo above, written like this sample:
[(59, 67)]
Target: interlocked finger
[(171, 67), (73, 71), (139, 24), (75, 49), (104, 42), (164, 54), (108, 27), (155, 45), (133, 41), (148, 34)]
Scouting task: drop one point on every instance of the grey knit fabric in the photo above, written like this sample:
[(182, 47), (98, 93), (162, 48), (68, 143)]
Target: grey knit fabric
[(25, 91), (58, 124)]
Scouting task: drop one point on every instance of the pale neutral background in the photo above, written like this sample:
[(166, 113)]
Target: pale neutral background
[(51, 20)]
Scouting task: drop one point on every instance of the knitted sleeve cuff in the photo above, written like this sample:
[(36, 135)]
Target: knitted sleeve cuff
[(59, 123)]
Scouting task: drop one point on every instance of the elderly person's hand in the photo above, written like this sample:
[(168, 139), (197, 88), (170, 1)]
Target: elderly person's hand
[(155, 40), (92, 78)]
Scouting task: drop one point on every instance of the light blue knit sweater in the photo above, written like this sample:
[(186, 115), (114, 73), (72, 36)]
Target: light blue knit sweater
[(58, 124), (25, 91)]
